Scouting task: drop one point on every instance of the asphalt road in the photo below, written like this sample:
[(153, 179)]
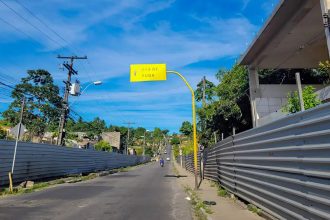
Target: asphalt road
[(143, 193)]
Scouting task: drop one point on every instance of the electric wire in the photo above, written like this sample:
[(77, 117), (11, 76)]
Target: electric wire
[(31, 24)]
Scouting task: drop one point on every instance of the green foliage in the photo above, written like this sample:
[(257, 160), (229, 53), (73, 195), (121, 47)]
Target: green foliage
[(42, 105), (103, 146), (254, 209), (310, 98), (187, 147), (230, 106), (222, 192), (2, 133), (176, 151), (5, 123), (209, 90), (287, 76), (149, 152), (139, 132), (175, 140), (186, 128), (92, 128), (138, 150)]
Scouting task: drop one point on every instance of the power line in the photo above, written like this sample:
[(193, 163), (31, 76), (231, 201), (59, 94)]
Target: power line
[(72, 49), (31, 24), (41, 21)]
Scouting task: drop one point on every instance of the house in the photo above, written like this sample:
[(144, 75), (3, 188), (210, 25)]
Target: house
[(113, 138)]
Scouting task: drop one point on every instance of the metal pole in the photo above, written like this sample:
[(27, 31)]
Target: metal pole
[(222, 136), (301, 99), (194, 125), (204, 88), (10, 174), (144, 144), (126, 151), (215, 137), (180, 152), (234, 130), (18, 135)]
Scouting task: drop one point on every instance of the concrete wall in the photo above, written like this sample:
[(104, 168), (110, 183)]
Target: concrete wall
[(39, 161), (273, 97)]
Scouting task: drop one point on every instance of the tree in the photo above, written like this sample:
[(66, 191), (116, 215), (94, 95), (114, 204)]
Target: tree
[(175, 140), (139, 133), (230, 106), (103, 146), (96, 127), (149, 152), (209, 90), (186, 128), (310, 100), (43, 103), (165, 131)]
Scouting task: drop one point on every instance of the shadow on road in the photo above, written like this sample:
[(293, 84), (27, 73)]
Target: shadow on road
[(177, 176)]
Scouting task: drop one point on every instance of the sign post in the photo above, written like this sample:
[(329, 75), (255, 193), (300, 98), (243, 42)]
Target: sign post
[(157, 72)]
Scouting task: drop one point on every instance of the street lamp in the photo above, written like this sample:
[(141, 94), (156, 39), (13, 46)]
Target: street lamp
[(95, 83)]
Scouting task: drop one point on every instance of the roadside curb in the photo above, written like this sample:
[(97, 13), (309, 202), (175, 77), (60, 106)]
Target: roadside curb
[(205, 213)]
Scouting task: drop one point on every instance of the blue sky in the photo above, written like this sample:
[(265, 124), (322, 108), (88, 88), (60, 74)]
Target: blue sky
[(196, 38)]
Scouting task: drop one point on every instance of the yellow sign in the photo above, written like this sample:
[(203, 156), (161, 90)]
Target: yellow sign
[(147, 72)]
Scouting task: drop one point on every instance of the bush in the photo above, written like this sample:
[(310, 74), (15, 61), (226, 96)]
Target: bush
[(2, 134), (103, 145), (310, 100), (188, 147)]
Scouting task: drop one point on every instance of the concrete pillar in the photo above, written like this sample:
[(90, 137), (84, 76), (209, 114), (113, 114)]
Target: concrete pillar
[(325, 4), (254, 93)]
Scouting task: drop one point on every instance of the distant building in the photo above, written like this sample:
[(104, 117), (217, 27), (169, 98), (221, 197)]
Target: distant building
[(113, 138)]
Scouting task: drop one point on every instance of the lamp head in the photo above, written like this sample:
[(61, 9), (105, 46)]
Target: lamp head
[(97, 83)]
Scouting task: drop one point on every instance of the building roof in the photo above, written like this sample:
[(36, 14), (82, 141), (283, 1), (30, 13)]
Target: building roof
[(293, 37)]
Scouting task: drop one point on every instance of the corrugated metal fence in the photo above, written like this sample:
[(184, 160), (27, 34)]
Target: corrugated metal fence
[(282, 167), (39, 161)]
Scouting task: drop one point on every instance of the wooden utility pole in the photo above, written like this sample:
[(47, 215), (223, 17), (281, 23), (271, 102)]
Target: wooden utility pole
[(65, 106), (127, 142), (204, 88)]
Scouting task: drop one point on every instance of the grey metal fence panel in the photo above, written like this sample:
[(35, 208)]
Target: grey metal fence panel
[(282, 167), (39, 161)]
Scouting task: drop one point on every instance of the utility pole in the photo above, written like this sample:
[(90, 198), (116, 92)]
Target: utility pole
[(144, 144), (65, 108), (127, 142), (204, 88)]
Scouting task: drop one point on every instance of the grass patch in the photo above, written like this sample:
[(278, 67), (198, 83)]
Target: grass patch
[(222, 192), (254, 209), (197, 204), (42, 185), (213, 184)]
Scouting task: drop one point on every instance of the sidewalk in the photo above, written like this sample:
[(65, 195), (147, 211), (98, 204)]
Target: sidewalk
[(225, 209)]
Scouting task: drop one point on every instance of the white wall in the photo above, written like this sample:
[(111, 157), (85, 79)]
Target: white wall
[(274, 96)]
